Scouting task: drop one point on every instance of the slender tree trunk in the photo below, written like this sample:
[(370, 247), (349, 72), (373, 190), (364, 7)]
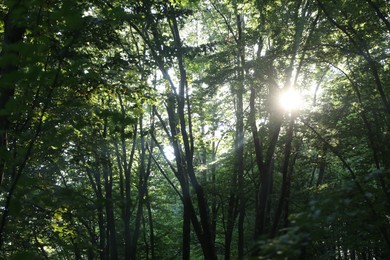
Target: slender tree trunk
[(125, 185), (214, 209), (181, 176), (186, 225), (127, 198), (77, 253), (182, 99), (137, 224), (236, 205), (94, 179), (259, 158), (100, 212), (241, 218), (276, 118), (240, 130), (144, 173), (231, 216), (111, 230), (288, 189), (263, 201), (266, 176), (13, 34), (285, 179), (151, 226), (105, 162), (177, 104), (322, 166)]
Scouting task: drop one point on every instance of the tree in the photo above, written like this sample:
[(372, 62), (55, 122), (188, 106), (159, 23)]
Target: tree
[(194, 129)]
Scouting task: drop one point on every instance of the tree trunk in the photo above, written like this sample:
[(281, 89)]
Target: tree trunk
[(182, 99), (144, 173), (214, 208), (322, 167), (127, 199), (276, 118), (263, 201), (151, 226), (13, 34), (100, 212), (240, 130), (231, 216), (111, 230), (288, 190), (110, 218), (285, 179), (125, 165), (177, 102), (186, 225)]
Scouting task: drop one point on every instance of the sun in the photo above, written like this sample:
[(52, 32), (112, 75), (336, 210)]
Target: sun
[(290, 100), (169, 153)]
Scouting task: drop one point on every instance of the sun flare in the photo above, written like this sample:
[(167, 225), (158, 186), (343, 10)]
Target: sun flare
[(290, 100)]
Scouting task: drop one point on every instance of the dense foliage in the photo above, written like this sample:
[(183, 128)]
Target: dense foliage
[(195, 129)]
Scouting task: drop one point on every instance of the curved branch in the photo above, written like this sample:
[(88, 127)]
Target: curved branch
[(379, 13)]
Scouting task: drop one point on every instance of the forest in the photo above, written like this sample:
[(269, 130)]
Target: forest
[(195, 129)]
